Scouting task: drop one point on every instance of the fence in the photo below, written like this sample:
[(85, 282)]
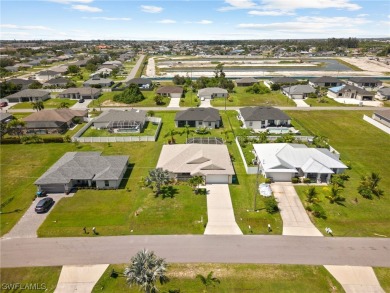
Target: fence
[(249, 170), (138, 138)]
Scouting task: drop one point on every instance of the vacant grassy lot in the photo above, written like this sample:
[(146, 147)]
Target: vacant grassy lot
[(242, 98), (106, 100), (190, 100), (366, 148), (45, 278), (233, 278), (149, 130), (326, 102), (48, 104)]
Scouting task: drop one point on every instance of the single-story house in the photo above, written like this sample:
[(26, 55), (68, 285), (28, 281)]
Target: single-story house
[(283, 161), (5, 117), (263, 117), (132, 120), (366, 82), (383, 116), (350, 92), (62, 69), (96, 81), (383, 94), (53, 121), (115, 63), (283, 80), (184, 161), (212, 92), (300, 91), (25, 83), (246, 81), (325, 81), (78, 93), (170, 91), (12, 68), (199, 117), (46, 75), (143, 83), (60, 82), (104, 72), (82, 169), (28, 95)]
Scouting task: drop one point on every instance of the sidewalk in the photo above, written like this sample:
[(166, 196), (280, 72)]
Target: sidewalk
[(220, 213)]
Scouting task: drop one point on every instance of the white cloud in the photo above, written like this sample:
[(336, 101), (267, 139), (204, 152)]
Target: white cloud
[(238, 4), (71, 1), (108, 18), (203, 21), (291, 5), (269, 12), (362, 15), (166, 21), (151, 9), (26, 27), (86, 8)]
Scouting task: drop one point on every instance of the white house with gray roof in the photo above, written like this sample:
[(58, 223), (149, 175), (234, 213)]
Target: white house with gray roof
[(28, 95), (184, 161), (283, 161), (80, 92), (263, 117), (83, 169), (350, 92), (300, 91), (132, 120), (198, 117), (383, 94), (212, 92)]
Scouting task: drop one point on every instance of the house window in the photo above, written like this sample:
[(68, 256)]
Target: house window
[(250, 123), (106, 183), (200, 123), (210, 124)]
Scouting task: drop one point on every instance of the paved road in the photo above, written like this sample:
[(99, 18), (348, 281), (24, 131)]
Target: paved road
[(133, 71), (201, 248)]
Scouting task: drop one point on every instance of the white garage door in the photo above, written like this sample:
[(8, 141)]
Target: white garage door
[(212, 179), (280, 177)]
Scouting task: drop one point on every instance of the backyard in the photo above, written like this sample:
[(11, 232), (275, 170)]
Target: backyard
[(149, 130), (325, 102), (53, 103)]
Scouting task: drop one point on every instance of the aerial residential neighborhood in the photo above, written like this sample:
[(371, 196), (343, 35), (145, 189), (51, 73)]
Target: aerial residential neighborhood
[(246, 150)]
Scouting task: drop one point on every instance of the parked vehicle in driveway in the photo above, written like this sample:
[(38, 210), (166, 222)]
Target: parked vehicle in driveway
[(3, 104), (41, 193), (44, 205), (81, 100)]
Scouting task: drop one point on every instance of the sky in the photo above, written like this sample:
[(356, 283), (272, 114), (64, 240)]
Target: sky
[(193, 19)]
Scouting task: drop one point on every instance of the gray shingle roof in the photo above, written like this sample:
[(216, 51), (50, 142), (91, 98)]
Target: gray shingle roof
[(385, 91), (247, 80), (170, 90), (84, 166), (52, 118), (299, 89), (80, 90), (262, 113), (365, 79), (58, 80), (383, 113), (212, 90), (348, 87), (140, 81), (198, 114), (284, 79), (119, 115), (329, 79), (33, 93)]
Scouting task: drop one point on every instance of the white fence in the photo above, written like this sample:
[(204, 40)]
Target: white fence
[(377, 124), (249, 170), (138, 138)]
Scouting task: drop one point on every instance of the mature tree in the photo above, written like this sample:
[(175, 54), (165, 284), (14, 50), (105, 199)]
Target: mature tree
[(196, 181), (312, 195), (157, 178), (63, 105), (151, 113), (187, 131), (145, 270), (9, 88), (38, 105), (171, 133), (73, 69), (369, 186), (275, 86), (70, 83), (35, 85), (209, 280), (159, 99), (179, 80), (130, 95), (334, 195), (16, 127), (258, 89)]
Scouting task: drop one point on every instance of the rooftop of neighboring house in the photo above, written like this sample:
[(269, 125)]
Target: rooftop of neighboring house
[(170, 89), (263, 113), (120, 115), (198, 114)]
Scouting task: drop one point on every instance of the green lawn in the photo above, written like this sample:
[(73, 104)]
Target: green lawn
[(383, 275), (190, 100), (327, 103), (366, 148), (149, 130), (242, 98), (233, 278), (45, 278), (49, 104), (106, 100)]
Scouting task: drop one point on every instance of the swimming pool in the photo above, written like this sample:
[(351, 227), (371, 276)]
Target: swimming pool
[(278, 130)]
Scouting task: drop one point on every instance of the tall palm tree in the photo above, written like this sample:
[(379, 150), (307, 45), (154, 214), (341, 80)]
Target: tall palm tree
[(157, 178), (145, 269), (38, 105), (16, 127), (171, 133), (209, 280), (335, 196), (187, 131)]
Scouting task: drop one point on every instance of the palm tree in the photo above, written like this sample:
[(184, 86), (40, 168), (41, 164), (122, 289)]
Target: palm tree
[(172, 132), (145, 269), (311, 195), (16, 126), (209, 280), (187, 131), (63, 105), (196, 181), (226, 134), (38, 105), (369, 186), (334, 196), (157, 178)]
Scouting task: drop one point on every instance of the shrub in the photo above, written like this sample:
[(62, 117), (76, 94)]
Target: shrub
[(57, 139), (295, 180), (130, 95), (271, 205), (267, 180), (306, 180), (241, 123), (318, 211), (10, 140), (31, 139)]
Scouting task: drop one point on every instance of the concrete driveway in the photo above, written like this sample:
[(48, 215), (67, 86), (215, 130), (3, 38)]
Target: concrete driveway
[(301, 103), (174, 103), (30, 222), (220, 213), (81, 106), (205, 104)]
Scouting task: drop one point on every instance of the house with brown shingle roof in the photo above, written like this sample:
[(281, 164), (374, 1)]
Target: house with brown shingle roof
[(170, 91)]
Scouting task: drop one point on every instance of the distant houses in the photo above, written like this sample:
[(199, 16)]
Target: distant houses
[(98, 82), (143, 83), (246, 81), (325, 81), (350, 92), (170, 91), (369, 83)]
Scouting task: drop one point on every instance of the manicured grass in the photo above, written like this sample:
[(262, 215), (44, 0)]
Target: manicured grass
[(233, 278), (366, 148), (383, 275), (242, 98), (327, 103), (149, 130), (106, 100), (48, 104), (45, 279), (190, 100)]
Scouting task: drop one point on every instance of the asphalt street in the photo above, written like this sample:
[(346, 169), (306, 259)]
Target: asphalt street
[(202, 248)]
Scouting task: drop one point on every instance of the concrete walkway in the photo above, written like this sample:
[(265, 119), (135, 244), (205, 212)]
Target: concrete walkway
[(220, 213), (79, 279), (354, 279), (301, 103), (295, 219)]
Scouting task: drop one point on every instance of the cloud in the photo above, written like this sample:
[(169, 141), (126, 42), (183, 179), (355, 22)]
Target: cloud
[(291, 5), (151, 9), (269, 12), (166, 21), (108, 18), (71, 1), (204, 21), (86, 8), (362, 15), (237, 4), (26, 27)]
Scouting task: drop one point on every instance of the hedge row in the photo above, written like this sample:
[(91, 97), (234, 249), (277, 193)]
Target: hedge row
[(16, 140)]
